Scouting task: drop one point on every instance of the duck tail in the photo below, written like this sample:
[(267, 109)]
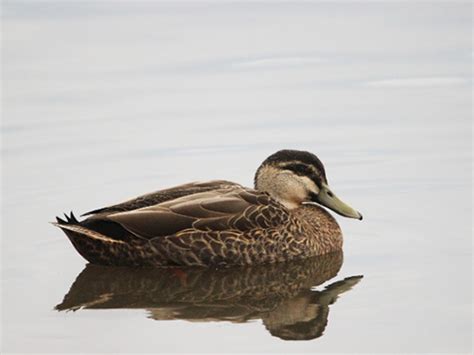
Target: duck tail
[(71, 219), (94, 246), (73, 229)]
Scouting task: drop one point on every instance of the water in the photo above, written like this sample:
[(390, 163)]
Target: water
[(105, 101)]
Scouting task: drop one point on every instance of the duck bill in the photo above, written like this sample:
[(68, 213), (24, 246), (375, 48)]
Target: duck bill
[(328, 199)]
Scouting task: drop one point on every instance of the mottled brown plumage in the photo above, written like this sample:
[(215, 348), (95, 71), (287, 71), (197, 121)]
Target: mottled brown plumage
[(217, 222)]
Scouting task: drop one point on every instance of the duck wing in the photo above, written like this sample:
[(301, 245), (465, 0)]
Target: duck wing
[(232, 208), (160, 196)]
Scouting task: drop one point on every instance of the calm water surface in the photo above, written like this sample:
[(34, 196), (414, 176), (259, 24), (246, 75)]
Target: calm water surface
[(105, 101)]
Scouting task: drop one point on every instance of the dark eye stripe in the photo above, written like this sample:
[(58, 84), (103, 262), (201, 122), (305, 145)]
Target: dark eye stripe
[(299, 169), (304, 170)]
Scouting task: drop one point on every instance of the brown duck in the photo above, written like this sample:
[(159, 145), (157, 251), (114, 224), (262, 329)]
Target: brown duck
[(219, 223)]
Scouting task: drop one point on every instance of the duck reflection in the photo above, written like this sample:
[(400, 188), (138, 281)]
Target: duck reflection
[(282, 295)]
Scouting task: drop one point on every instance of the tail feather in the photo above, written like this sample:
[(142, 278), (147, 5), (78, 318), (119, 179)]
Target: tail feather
[(71, 219), (71, 224), (93, 245)]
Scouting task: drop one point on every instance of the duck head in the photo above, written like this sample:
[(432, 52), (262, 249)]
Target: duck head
[(296, 178)]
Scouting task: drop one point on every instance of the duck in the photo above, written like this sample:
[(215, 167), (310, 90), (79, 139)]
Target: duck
[(219, 223)]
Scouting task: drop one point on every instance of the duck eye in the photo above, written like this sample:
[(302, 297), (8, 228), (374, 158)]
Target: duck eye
[(298, 169)]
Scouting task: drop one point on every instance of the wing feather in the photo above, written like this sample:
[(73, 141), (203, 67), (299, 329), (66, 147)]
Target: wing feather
[(161, 196), (228, 209), (150, 224)]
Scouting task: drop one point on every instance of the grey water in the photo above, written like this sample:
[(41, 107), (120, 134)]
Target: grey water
[(102, 101)]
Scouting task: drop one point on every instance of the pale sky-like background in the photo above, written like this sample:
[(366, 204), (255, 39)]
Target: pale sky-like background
[(106, 100)]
